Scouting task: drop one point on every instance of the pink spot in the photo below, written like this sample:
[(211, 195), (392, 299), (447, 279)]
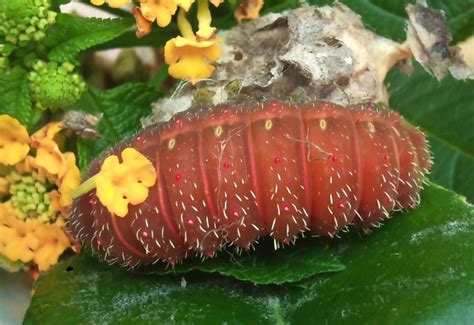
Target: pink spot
[(385, 157), (171, 261), (226, 164), (93, 200), (333, 158), (235, 213), (326, 105), (277, 160), (190, 221), (179, 122), (285, 207), (178, 176), (145, 233), (99, 242), (341, 205), (286, 241), (226, 112), (139, 138), (274, 104)]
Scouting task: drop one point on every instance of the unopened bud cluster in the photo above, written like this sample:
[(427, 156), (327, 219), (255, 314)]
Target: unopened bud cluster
[(54, 86), (30, 198), (24, 20)]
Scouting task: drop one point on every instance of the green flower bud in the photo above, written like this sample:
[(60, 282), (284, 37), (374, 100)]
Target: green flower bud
[(24, 20), (54, 86), (30, 198)]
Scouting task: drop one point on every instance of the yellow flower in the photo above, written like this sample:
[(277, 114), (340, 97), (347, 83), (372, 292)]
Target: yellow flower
[(13, 141), (112, 3), (37, 195), (119, 184), (31, 241), (188, 59), (68, 179), (185, 4), (159, 10)]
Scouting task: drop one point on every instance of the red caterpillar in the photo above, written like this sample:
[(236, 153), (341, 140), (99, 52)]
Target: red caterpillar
[(234, 173)]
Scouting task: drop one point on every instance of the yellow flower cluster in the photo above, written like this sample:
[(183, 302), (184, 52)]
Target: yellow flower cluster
[(31, 241), (191, 54), (36, 183), (119, 184)]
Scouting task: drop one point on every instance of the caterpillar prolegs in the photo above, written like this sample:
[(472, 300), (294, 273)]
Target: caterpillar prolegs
[(233, 173)]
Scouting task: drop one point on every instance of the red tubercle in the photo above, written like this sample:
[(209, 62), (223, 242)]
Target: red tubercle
[(178, 176), (285, 207), (341, 205), (333, 158), (226, 164), (145, 233), (277, 160)]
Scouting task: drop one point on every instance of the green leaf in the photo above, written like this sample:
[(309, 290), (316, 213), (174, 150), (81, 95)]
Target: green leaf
[(14, 99), (95, 293), (419, 267), (267, 266), (445, 111), (121, 109), (71, 35)]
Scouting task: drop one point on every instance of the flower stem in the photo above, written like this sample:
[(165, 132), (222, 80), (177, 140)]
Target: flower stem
[(204, 18), (184, 25), (85, 187)]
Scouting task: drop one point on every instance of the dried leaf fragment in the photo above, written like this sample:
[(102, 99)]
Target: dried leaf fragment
[(248, 9)]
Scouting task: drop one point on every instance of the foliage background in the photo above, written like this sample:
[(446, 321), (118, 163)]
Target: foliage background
[(418, 268)]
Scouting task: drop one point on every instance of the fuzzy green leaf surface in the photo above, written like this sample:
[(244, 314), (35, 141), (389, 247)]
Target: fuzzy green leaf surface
[(14, 99), (418, 267), (71, 35), (445, 111), (265, 265), (121, 109)]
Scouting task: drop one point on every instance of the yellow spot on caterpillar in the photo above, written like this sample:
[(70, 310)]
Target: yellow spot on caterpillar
[(323, 124), (218, 131), (371, 127), (171, 144), (268, 124)]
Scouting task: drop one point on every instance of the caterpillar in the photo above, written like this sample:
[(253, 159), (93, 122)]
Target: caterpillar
[(233, 173)]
